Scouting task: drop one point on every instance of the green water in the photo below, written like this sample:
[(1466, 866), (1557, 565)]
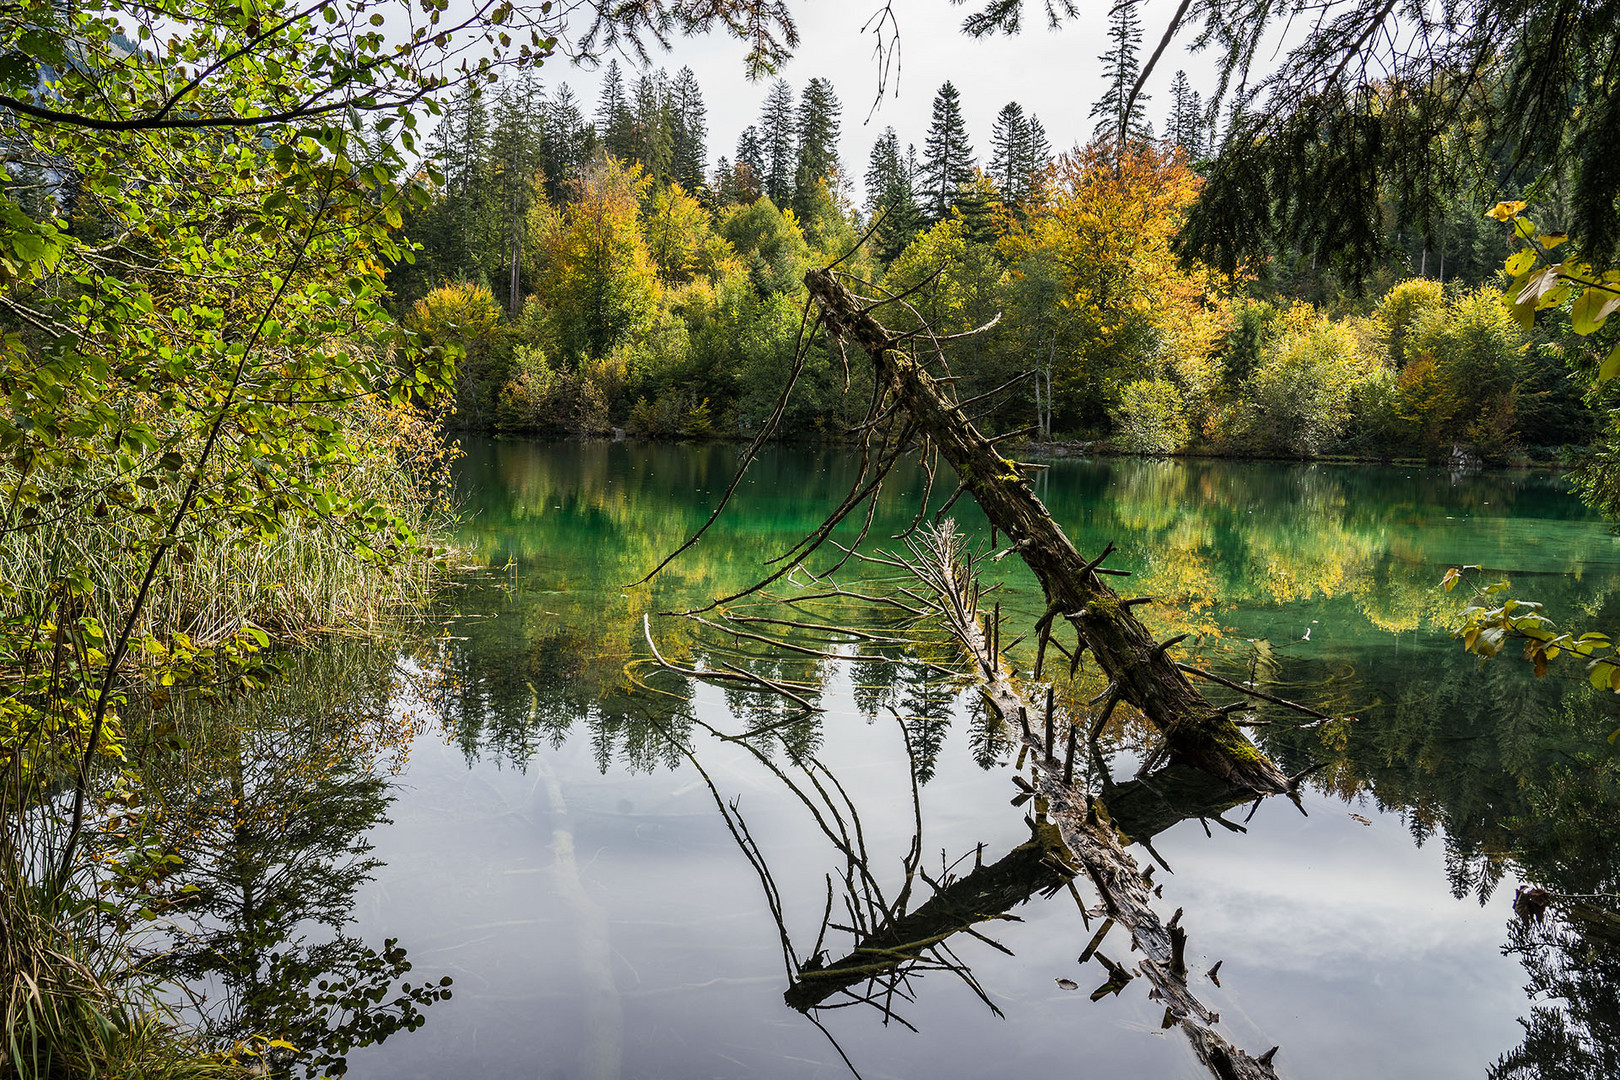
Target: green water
[(549, 845)]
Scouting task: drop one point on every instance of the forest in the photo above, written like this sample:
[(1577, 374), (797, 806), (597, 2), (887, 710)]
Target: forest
[(601, 275), (365, 396)]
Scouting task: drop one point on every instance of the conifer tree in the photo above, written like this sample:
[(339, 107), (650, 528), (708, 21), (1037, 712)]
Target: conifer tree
[(652, 143), (613, 117), (949, 158), (689, 129), (1186, 125), (723, 187), (889, 192), (750, 154), (1009, 151), (564, 139), (777, 143), (1038, 151), (513, 160), (817, 129), (1122, 63)]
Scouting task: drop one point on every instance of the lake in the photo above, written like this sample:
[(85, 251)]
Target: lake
[(617, 865)]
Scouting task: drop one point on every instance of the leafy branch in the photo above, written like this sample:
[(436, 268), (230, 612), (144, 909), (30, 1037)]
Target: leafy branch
[(1542, 280), (1494, 618)]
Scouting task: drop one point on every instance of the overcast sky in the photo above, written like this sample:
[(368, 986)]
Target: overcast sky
[(1055, 74)]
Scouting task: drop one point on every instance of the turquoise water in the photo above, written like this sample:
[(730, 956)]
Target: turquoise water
[(551, 846)]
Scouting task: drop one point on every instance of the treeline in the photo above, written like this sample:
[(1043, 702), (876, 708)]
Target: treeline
[(599, 278)]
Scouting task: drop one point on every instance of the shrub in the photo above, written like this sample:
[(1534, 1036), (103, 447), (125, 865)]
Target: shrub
[(1149, 418), (1298, 400), (1403, 310), (465, 317)]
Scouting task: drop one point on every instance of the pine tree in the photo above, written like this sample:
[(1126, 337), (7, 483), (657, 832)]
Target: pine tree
[(817, 129), (1009, 151), (1121, 65), (777, 143), (614, 121), (889, 193), (1186, 124), (689, 128), (949, 160), (564, 142)]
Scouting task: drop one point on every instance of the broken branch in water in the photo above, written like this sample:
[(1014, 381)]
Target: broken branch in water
[(1092, 839), (734, 675)]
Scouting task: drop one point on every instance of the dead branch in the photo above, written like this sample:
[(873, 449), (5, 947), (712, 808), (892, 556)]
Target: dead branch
[(1147, 677)]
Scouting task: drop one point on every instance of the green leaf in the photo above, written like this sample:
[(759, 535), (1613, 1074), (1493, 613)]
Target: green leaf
[(1591, 308)]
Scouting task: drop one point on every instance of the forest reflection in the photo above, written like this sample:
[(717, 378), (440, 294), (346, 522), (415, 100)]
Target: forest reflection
[(249, 850), (1318, 583)]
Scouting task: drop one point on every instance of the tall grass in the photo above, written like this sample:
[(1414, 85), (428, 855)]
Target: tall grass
[(74, 1004), (310, 578)]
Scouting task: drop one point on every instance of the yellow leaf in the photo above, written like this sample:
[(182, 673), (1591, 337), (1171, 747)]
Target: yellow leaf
[(1535, 285), (1552, 240), (1611, 366), (1504, 210), (1519, 262), (1591, 308)]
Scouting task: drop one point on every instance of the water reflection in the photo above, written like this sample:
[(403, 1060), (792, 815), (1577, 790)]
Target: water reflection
[(1318, 582), (557, 850), (260, 811)]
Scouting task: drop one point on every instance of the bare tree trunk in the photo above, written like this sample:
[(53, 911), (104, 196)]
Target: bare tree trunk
[(1087, 828), (1143, 672)]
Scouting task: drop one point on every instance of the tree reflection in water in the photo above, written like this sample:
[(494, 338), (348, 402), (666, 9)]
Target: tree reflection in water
[(266, 808), (1512, 775)]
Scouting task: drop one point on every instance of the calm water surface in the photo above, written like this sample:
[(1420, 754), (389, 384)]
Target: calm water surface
[(549, 846)]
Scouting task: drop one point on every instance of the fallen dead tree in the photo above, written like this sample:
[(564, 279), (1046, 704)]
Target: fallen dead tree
[(1088, 831), (1142, 672)]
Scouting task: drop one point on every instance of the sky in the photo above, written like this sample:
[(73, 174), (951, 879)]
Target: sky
[(1055, 74)]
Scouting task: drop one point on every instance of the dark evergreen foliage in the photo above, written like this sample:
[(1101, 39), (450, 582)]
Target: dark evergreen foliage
[(689, 130), (1120, 119), (948, 161), (890, 193), (778, 143)]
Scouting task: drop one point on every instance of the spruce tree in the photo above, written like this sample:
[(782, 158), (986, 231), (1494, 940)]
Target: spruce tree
[(1038, 151), (889, 193), (777, 143), (1186, 125), (817, 129), (1009, 152), (750, 167), (564, 139), (689, 128), (723, 188), (651, 139), (1121, 65), (613, 117), (513, 159), (949, 158)]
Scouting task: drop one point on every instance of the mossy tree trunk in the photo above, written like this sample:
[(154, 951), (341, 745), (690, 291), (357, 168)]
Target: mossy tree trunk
[(1143, 672)]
